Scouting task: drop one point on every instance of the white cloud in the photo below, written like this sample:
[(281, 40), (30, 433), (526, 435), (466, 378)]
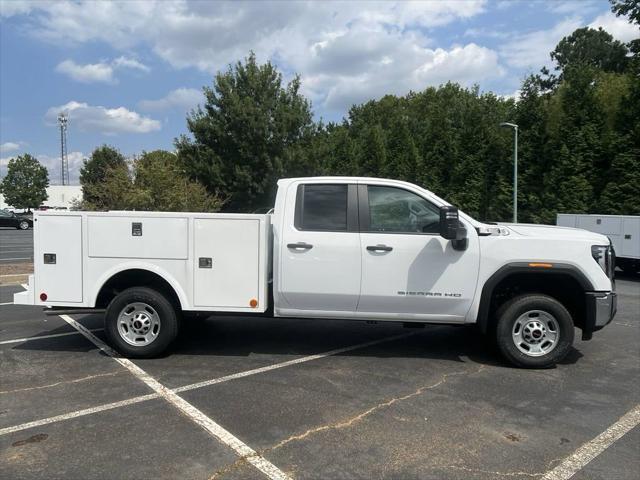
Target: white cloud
[(53, 165), (9, 8), (131, 63), (531, 50), (109, 121), (618, 27), (99, 72), (89, 73), (347, 70), (180, 98), (304, 37), (513, 96), (9, 147)]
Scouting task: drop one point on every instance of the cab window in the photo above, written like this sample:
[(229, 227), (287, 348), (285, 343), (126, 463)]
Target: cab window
[(395, 210), (321, 207)]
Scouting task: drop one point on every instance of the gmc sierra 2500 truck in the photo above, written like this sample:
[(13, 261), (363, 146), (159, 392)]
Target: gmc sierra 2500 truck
[(334, 248)]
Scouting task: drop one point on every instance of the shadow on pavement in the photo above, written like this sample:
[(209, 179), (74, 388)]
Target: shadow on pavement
[(243, 336)]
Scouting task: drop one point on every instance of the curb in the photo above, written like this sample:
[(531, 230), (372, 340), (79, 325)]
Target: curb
[(14, 279)]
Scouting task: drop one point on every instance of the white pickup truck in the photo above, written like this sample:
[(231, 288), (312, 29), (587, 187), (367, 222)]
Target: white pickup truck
[(334, 248)]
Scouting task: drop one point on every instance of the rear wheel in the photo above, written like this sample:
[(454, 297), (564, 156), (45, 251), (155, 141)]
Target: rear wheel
[(141, 322), (23, 225), (534, 331)]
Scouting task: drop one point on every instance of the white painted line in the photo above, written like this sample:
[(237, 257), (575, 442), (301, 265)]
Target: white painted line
[(24, 285), (6, 303), (7, 259), (193, 386), (590, 450), (224, 436), (42, 337), (78, 413), (295, 361)]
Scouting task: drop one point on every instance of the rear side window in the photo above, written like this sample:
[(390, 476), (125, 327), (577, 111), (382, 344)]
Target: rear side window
[(321, 207)]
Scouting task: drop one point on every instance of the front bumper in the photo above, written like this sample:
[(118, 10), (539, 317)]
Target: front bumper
[(601, 308)]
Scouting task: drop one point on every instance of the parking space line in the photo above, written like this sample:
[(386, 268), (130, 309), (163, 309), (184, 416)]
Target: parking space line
[(6, 303), (197, 416), (590, 450), (42, 337), (295, 361), (77, 413), (192, 386)]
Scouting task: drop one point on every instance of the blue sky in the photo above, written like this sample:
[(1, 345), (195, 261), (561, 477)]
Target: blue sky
[(127, 72)]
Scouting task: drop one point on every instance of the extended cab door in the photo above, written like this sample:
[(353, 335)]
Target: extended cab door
[(319, 251), (408, 270)]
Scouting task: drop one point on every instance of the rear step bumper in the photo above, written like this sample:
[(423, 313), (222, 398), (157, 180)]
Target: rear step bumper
[(26, 297)]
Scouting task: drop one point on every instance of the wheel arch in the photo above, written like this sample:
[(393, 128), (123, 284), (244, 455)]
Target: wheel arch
[(564, 282), (137, 275)]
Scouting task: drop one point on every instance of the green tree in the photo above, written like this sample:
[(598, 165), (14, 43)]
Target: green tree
[(242, 133), (115, 191), (161, 184), (104, 161), (629, 8), (154, 181), (595, 48), (373, 155), (26, 182)]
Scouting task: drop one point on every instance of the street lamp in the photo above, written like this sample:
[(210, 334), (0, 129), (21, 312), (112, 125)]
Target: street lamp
[(515, 168)]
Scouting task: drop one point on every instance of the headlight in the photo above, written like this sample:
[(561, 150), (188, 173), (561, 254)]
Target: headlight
[(603, 255)]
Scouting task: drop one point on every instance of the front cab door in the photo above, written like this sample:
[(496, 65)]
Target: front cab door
[(409, 271)]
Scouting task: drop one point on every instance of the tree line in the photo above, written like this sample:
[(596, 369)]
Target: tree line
[(579, 141)]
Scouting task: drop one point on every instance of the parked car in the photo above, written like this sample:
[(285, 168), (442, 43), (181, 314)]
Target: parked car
[(334, 248), (10, 219)]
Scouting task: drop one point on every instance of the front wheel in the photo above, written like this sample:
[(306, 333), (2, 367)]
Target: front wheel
[(23, 225), (141, 323), (534, 331)]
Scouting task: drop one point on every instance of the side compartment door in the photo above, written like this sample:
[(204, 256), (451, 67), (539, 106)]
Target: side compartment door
[(58, 258), (408, 270), (227, 262), (319, 250)]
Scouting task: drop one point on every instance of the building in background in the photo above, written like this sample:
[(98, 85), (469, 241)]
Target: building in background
[(58, 196)]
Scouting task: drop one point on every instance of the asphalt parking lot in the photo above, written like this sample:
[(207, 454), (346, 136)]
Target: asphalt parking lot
[(16, 246), (242, 398)]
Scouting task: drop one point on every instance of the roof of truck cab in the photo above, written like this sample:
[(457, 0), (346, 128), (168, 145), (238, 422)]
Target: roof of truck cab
[(346, 179)]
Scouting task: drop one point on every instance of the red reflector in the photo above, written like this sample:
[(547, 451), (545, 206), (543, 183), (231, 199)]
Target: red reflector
[(43, 297)]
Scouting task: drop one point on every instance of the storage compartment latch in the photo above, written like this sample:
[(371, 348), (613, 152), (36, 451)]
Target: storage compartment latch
[(205, 262)]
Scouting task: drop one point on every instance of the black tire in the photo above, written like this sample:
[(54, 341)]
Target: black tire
[(509, 313), (160, 306), (23, 225)]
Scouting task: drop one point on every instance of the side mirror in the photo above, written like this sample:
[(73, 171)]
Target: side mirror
[(449, 223), (452, 229)]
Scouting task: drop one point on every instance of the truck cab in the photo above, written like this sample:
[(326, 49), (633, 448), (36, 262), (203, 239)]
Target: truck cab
[(333, 248)]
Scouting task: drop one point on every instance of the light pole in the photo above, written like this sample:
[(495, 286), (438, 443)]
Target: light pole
[(515, 168)]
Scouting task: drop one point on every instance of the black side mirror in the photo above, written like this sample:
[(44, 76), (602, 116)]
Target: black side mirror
[(449, 222), (452, 229)]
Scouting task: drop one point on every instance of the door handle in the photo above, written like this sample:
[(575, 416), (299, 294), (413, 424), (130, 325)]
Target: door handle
[(379, 248), (299, 246)]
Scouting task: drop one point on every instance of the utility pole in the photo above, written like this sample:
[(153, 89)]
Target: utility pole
[(515, 168), (63, 120)]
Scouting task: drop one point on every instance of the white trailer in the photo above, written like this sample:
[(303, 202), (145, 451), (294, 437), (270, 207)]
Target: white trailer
[(623, 230)]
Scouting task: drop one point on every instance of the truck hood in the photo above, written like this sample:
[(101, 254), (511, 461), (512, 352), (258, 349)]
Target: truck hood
[(552, 231)]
